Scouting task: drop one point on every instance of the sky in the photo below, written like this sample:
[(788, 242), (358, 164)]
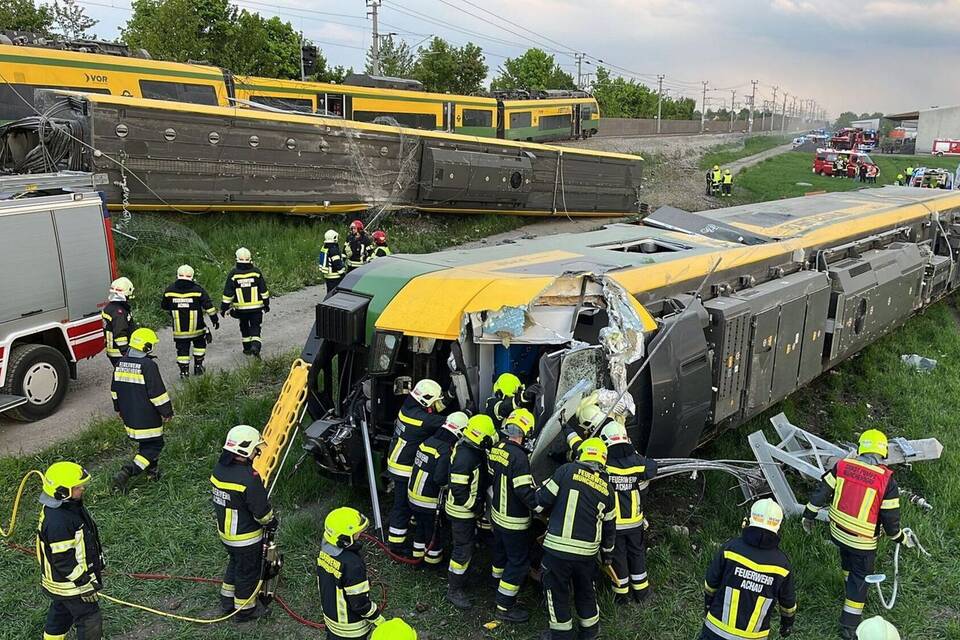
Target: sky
[(866, 56)]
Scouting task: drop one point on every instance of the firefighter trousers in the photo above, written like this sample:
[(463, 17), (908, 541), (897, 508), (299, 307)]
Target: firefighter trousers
[(400, 513), (857, 564), (250, 323), (464, 533), (73, 612), (332, 283), (183, 345), (147, 458), (511, 563), (243, 572), (427, 536), (630, 563), (561, 576)]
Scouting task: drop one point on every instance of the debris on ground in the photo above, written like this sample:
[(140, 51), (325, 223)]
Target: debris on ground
[(918, 362)]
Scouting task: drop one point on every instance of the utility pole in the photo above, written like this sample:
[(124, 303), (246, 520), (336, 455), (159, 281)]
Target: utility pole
[(703, 108), (579, 58), (773, 109), (733, 98), (303, 75), (793, 107), (374, 6), (783, 113), (753, 106), (660, 77)]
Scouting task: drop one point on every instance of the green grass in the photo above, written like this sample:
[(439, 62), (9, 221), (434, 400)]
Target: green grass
[(726, 153), (285, 247), (169, 527), (791, 174)]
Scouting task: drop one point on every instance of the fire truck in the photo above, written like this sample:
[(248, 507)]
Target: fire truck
[(853, 139), (57, 257), (946, 148)]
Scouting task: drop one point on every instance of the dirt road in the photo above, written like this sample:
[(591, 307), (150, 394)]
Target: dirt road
[(675, 180)]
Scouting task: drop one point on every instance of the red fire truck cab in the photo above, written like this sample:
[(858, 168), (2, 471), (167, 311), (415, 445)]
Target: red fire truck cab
[(946, 148), (824, 161), (57, 257)]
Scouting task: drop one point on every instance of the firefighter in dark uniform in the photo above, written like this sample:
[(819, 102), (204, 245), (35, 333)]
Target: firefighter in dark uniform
[(141, 399), (246, 297), (330, 261), (509, 394), (188, 303), (465, 501), (70, 555), (418, 419), (581, 426), (629, 474), (430, 474), (511, 508), (863, 498), (727, 183), (244, 515), (747, 576), (348, 611), (117, 319), (380, 248), (582, 525), (358, 246)]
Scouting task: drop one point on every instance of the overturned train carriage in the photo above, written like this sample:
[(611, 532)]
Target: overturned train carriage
[(203, 158), (734, 309)]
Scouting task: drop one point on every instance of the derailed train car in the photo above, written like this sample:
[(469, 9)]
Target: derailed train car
[(722, 313), (166, 155)]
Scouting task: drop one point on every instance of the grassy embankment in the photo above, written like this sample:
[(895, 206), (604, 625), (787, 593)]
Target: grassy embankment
[(726, 153)]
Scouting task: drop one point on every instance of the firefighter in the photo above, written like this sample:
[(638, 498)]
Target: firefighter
[(899, 181), (348, 611), (117, 319), (629, 473), (509, 394), (430, 473), (358, 245), (380, 248), (70, 555), (746, 576), (727, 183), (876, 628), (330, 261), (909, 174), (244, 516), (394, 629), (141, 399), (580, 426), (188, 303), (246, 297), (465, 501), (582, 525), (418, 419), (716, 177), (862, 497), (511, 508)]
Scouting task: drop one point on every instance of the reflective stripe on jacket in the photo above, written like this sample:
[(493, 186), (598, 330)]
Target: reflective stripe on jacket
[(245, 289), (140, 397), (348, 610), (582, 511), (240, 502)]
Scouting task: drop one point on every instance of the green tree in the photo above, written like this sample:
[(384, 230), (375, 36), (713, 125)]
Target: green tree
[(396, 58), (269, 48), (325, 73), (534, 70), (23, 15), (72, 21), (845, 119), (443, 68)]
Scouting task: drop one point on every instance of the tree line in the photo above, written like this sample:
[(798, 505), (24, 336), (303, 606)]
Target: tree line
[(221, 34)]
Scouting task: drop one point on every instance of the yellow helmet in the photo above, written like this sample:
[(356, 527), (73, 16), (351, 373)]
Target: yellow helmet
[(873, 441), (519, 423), (61, 477), (507, 385), (144, 339), (342, 526), (716, 167), (726, 171), (480, 430), (593, 450), (394, 629)]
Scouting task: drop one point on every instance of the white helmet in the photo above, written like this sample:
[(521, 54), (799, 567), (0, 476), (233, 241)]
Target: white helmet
[(243, 255), (766, 514), (876, 628), (185, 272), (331, 236), (614, 433), (427, 392), (243, 440), (590, 416), (122, 287), (456, 422)]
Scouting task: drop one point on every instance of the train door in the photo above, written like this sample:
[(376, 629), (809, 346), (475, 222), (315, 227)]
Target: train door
[(501, 117), (448, 117), (575, 126), (332, 104)]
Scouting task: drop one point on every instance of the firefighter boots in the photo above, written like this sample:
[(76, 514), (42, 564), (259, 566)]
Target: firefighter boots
[(459, 598), (184, 370), (198, 368), (515, 615), (121, 480), (226, 604), (257, 612)]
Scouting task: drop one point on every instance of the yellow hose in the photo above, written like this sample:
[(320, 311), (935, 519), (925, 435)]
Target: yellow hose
[(174, 616), (6, 533)]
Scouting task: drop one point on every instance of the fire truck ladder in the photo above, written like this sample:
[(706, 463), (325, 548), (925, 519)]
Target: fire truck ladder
[(15, 186)]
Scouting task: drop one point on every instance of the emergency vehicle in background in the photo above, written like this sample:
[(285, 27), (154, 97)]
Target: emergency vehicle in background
[(852, 139), (946, 148), (56, 251), (824, 161)]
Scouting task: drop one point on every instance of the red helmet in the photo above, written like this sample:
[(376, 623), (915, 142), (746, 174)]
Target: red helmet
[(356, 225), (380, 237)]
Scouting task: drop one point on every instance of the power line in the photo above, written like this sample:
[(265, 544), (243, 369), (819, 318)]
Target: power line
[(473, 15)]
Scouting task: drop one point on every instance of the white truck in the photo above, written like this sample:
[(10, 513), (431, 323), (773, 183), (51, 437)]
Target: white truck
[(56, 264)]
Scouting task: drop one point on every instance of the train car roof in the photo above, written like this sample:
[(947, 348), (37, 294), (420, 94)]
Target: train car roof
[(463, 281), (106, 62)]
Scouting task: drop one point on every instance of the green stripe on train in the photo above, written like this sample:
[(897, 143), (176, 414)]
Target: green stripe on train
[(383, 279), (489, 103), (104, 66), (535, 133)]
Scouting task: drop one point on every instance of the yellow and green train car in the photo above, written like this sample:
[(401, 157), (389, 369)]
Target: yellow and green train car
[(551, 119)]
